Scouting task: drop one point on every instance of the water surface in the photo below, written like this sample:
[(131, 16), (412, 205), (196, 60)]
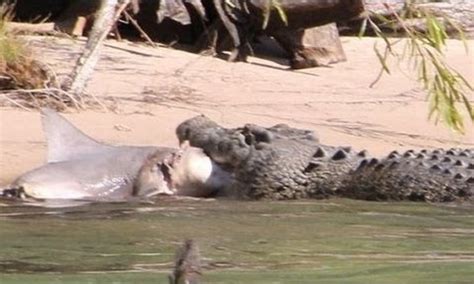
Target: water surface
[(330, 241)]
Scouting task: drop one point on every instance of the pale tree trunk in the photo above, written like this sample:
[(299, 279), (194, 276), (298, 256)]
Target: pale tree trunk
[(106, 17)]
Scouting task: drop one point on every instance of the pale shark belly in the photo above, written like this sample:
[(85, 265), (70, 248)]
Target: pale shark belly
[(106, 177)]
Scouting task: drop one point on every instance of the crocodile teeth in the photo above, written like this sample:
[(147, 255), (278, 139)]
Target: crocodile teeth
[(424, 151), (339, 155), (470, 166), (470, 180), (434, 158), (460, 163)]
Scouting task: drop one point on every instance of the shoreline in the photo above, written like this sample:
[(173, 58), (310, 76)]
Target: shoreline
[(156, 89)]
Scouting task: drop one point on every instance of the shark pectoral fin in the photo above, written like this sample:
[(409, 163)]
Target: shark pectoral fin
[(64, 140)]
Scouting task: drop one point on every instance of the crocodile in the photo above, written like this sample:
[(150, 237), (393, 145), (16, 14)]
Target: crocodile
[(282, 162)]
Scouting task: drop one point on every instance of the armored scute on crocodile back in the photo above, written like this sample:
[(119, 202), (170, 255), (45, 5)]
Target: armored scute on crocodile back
[(426, 175), (282, 162)]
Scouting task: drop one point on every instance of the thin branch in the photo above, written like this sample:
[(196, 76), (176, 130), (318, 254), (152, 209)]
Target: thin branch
[(445, 86), (140, 30)]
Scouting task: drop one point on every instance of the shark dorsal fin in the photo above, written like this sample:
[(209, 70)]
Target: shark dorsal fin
[(65, 141)]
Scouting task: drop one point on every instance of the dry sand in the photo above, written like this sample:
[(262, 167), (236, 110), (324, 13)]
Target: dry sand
[(156, 89)]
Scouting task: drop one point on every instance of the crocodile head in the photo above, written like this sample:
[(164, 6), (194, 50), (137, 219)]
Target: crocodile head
[(226, 147), (282, 162), (267, 162)]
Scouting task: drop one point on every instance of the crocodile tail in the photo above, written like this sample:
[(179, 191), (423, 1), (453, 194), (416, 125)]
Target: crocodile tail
[(427, 175)]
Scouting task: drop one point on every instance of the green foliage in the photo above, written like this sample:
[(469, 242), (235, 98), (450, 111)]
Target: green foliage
[(447, 88), (10, 48), (273, 4), (18, 68)]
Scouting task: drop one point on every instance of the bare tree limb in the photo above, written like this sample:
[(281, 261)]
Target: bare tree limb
[(107, 15), (140, 30)]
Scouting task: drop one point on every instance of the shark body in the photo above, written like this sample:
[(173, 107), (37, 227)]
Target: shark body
[(81, 168)]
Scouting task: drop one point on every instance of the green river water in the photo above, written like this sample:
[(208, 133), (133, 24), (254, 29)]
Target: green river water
[(311, 241)]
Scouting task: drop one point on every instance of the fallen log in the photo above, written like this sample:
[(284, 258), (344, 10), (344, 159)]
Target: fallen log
[(303, 14), (247, 18), (29, 28), (318, 46), (241, 20)]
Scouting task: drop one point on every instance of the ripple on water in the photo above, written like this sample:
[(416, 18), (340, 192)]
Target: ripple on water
[(323, 239)]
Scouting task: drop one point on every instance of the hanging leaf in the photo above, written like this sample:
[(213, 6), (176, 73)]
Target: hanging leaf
[(267, 11), (424, 53)]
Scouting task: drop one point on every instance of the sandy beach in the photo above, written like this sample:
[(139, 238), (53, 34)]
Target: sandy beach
[(154, 89)]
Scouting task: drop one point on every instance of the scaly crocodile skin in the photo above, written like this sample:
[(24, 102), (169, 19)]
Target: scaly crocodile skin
[(282, 162)]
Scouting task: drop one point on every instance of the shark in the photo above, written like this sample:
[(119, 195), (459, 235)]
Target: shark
[(79, 167)]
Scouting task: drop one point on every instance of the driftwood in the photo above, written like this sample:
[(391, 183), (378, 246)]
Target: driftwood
[(318, 46), (71, 17), (306, 13), (42, 28), (240, 21), (245, 20)]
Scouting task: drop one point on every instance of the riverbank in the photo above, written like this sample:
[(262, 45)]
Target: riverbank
[(152, 90)]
